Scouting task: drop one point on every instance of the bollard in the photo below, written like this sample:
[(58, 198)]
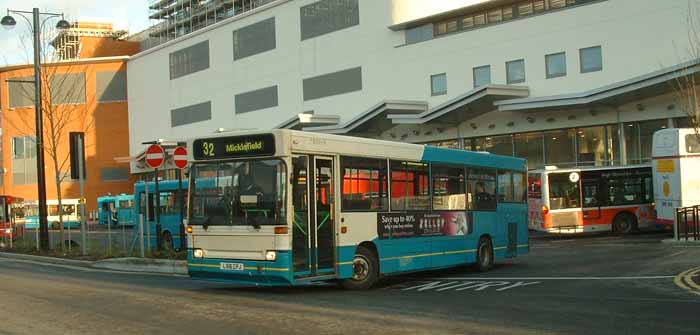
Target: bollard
[(141, 235), (109, 237)]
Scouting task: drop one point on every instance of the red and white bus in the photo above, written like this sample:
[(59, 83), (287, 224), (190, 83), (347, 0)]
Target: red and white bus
[(591, 199), (11, 215)]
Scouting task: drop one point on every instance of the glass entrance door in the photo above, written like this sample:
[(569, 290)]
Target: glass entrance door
[(313, 236)]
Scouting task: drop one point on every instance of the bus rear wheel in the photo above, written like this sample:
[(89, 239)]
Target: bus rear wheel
[(484, 255), (624, 223), (365, 270)]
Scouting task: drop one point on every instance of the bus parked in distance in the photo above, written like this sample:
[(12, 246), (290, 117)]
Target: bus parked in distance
[(117, 210), (591, 199), (171, 212), (71, 214), (11, 218), (676, 162), (291, 208)]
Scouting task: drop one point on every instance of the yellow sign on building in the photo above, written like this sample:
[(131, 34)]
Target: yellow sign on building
[(666, 166)]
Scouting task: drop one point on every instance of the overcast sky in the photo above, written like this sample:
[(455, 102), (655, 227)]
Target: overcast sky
[(131, 15)]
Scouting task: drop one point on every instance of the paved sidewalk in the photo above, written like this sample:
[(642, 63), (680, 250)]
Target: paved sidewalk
[(130, 264)]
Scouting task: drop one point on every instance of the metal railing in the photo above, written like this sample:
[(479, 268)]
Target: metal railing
[(687, 225)]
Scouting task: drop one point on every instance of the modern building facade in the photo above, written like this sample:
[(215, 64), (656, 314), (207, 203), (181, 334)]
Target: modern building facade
[(84, 95), (174, 18), (560, 82)]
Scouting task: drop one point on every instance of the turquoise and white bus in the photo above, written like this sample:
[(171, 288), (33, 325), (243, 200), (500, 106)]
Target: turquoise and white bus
[(291, 208)]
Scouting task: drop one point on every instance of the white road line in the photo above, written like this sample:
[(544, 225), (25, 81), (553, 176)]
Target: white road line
[(677, 253), (550, 278)]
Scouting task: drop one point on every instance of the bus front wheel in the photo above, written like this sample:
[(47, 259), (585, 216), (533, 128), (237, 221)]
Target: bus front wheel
[(484, 255), (365, 270), (624, 223)]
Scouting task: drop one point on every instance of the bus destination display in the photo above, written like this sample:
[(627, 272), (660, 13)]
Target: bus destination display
[(234, 147)]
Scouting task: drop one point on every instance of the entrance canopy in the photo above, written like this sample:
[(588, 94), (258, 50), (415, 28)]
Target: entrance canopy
[(376, 119), (466, 106), (308, 119)]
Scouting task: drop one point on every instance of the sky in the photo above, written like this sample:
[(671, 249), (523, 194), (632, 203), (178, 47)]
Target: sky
[(131, 15)]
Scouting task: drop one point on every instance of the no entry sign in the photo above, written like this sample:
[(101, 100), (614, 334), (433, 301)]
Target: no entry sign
[(180, 157), (155, 156)]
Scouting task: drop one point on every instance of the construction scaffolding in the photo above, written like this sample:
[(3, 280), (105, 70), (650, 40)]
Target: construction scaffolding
[(171, 19), (68, 44)]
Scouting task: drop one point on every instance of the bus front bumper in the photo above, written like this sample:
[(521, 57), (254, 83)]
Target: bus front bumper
[(242, 272)]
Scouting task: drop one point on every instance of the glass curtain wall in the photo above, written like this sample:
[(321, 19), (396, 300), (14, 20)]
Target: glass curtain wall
[(588, 146)]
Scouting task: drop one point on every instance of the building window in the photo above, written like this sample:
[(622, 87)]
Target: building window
[(23, 160), (327, 16), (410, 186), (114, 174), (530, 146), (189, 60), (254, 39), (111, 86), (256, 100), (638, 139), (331, 84), (498, 145), (67, 88), (448, 188), (419, 34), (592, 146), (365, 185), (451, 144), (591, 59), (21, 92), (556, 65), (482, 76), (438, 84), (190, 114), (560, 147), (515, 71)]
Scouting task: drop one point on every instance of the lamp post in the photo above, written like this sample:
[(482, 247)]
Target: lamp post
[(9, 22)]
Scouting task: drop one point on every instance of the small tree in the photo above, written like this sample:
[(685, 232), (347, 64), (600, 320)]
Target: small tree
[(65, 108)]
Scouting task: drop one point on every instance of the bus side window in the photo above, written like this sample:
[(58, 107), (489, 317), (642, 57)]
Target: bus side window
[(590, 194)]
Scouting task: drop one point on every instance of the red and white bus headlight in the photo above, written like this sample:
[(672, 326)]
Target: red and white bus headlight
[(270, 255), (198, 253), (8, 230)]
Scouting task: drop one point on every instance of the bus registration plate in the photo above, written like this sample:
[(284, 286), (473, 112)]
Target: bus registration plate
[(231, 266)]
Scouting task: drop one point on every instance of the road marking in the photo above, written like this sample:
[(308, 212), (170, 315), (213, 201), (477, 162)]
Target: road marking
[(472, 285), (685, 280), (553, 278), (677, 253)]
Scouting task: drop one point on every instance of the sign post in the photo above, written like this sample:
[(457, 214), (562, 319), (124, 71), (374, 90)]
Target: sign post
[(180, 161), (155, 157)]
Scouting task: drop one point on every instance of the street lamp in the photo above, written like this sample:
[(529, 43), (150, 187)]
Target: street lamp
[(9, 22)]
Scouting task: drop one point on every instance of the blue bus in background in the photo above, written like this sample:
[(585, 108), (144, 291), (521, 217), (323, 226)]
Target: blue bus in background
[(71, 214), (171, 210), (116, 210)]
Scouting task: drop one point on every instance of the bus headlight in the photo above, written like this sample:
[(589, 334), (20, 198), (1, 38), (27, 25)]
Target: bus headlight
[(8, 230), (198, 253), (270, 255)]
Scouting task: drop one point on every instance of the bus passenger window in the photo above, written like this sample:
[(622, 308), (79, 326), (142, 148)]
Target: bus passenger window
[(365, 185), (505, 186), (410, 186), (590, 195), (448, 188), (481, 190), (563, 193), (519, 187)]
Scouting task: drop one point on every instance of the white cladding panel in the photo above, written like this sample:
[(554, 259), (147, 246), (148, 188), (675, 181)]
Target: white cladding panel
[(631, 46)]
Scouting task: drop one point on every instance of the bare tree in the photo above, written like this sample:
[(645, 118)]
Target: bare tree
[(687, 87), (65, 108)]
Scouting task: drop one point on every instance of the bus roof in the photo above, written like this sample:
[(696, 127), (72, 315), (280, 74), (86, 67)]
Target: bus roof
[(301, 141)]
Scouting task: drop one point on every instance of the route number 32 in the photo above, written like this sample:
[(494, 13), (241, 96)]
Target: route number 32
[(208, 149)]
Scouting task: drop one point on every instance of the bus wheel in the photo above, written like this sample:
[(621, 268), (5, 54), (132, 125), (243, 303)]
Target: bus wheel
[(167, 241), (624, 223), (364, 270), (484, 255)]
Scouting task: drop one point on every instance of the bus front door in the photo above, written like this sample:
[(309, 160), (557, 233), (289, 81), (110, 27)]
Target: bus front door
[(313, 236)]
